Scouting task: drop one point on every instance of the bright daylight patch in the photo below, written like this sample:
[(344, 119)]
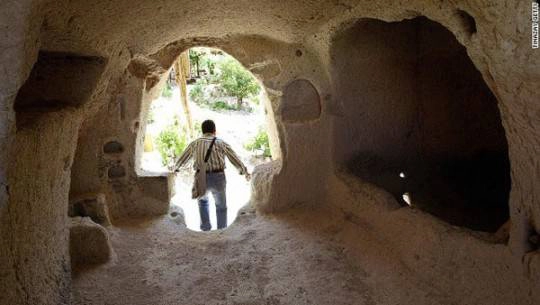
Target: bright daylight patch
[(207, 84)]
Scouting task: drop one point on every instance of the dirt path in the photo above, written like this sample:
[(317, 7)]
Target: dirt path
[(266, 260)]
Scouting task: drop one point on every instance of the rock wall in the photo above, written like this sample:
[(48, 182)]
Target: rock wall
[(280, 42), (107, 160), (456, 261), (35, 226)]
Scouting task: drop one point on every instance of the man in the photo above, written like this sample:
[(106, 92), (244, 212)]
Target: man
[(215, 176)]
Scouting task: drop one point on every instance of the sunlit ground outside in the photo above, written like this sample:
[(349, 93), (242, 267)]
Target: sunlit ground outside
[(242, 128)]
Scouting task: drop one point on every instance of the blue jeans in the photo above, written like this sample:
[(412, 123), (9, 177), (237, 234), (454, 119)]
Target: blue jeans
[(215, 184)]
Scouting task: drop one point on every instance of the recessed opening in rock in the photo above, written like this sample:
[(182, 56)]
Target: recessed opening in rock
[(421, 122), (467, 22), (116, 171), (113, 147), (57, 80), (207, 84)]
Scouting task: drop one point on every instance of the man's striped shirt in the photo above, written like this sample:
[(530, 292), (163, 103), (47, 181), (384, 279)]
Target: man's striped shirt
[(196, 150)]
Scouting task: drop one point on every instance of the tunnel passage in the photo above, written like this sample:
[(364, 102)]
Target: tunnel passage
[(420, 121)]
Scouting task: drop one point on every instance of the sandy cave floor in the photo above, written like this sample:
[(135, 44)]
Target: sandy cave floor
[(294, 258)]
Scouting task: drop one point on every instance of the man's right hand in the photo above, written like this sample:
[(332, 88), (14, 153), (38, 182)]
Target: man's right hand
[(248, 177)]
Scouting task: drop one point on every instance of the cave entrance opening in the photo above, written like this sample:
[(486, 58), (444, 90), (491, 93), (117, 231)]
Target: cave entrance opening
[(208, 84)]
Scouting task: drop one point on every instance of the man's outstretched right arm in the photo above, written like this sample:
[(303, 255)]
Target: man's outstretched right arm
[(186, 155)]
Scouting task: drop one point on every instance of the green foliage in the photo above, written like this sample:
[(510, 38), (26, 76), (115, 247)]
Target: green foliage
[(236, 80), (167, 90), (210, 97), (221, 105), (194, 55), (208, 64), (196, 94), (223, 78), (197, 128), (171, 144), (259, 144)]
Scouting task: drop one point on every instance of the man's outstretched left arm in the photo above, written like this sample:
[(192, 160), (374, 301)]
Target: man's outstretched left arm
[(235, 160)]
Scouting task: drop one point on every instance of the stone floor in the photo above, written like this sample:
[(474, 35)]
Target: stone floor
[(294, 258)]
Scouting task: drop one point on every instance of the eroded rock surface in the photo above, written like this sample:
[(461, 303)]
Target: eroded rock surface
[(301, 102), (88, 243), (381, 91)]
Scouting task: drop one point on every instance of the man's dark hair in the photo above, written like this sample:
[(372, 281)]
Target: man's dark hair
[(208, 126)]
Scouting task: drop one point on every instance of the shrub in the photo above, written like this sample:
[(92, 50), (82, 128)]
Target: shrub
[(171, 145), (221, 105), (196, 94), (167, 90), (259, 144)]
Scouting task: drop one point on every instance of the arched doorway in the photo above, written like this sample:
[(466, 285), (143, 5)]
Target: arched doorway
[(207, 84)]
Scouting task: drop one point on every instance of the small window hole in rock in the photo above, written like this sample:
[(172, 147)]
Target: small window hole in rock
[(117, 171), (113, 147), (467, 22), (533, 240)]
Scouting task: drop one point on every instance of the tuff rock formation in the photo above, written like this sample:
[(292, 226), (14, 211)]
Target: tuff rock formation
[(407, 137)]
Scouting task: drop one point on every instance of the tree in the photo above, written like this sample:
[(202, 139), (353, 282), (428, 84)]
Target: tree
[(237, 81), (181, 70), (194, 58)]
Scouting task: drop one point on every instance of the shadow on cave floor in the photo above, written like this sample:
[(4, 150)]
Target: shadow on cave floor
[(279, 259), (469, 192)]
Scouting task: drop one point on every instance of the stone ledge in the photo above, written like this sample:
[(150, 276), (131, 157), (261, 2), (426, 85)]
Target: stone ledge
[(89, 243)]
